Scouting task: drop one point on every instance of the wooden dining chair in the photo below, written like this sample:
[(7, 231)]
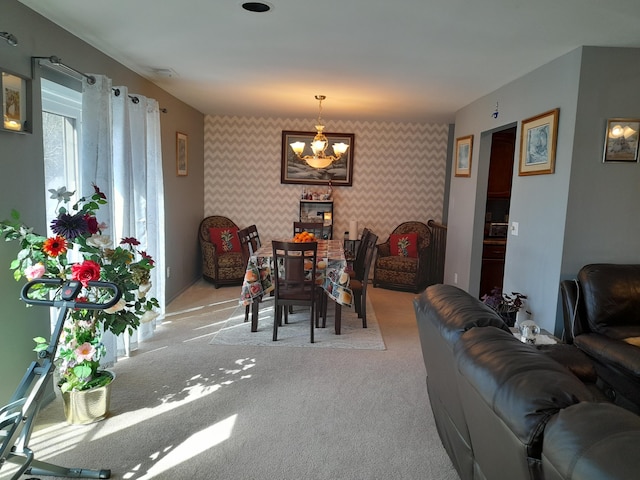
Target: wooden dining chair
[(317, 228), (358, 263), (359, 285), (249, 244), (294, 266)]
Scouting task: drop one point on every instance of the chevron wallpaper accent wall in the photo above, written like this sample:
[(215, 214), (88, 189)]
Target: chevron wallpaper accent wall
[(399, 174)]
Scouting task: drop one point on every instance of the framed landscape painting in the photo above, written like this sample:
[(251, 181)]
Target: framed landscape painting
[(296, 171), (182, 154), (538, 144), (464, 147)]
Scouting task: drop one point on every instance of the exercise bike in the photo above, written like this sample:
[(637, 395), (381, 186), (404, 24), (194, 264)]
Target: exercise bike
[(17, 417)]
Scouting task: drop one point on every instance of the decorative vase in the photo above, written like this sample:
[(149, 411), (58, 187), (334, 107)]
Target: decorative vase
[(509, 316), (88, 406)]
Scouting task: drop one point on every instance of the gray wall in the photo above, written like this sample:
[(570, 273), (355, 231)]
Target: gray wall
[(582, 213), (603, 224), (22, 182)]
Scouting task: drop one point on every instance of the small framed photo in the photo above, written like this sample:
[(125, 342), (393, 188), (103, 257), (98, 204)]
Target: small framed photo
[(464, 147), (621, 140), (538, 144), (14, 102), (182, 154)]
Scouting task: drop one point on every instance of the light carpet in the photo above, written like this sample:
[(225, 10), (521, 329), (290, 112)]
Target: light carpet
[(296, 333)]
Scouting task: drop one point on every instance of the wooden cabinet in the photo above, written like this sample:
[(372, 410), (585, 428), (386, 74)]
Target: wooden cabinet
[(492, 266), (501, 166), (318, 211)]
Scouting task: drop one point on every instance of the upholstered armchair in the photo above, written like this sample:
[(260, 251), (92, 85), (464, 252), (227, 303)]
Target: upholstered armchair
[(222, 262), (402, 260)]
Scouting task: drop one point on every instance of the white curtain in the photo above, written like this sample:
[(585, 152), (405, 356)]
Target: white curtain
[(95, 162), (121, 153), (138, 188), (95, 148)]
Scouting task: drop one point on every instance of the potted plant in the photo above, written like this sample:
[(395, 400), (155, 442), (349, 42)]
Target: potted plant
[(78, 250), (507, 306)]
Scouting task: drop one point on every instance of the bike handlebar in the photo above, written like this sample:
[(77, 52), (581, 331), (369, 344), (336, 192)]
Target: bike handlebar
[(69, 292)]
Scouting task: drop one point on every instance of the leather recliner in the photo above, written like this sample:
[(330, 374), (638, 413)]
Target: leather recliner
[(602, 318), (506, 409)]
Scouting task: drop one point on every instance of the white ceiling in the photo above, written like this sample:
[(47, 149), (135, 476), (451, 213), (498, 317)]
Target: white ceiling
[(400, 60)]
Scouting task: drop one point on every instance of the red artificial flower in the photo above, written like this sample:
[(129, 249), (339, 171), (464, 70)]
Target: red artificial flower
[(85, 272), (81, 300), (130, 241), (54, 246), (92, 223), (97, 190), (147, 256)]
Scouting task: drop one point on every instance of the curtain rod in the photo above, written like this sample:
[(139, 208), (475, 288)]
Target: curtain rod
[(91, 80), (134, 99)]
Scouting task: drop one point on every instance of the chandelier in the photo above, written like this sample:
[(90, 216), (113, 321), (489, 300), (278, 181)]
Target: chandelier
[(319, 145)]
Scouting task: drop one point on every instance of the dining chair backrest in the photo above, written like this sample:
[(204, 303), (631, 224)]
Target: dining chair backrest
[(359, 285), (317, 228), (369, 252), (249, 241), (295, 266), (358, 264)]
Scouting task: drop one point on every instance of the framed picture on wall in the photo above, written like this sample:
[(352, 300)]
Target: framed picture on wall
[(621, 140), (182, 154), (14, 102), (294, 170), (538, 144), (464, 147)]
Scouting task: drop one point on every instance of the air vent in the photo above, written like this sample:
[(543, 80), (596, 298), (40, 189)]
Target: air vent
[(164, 72)]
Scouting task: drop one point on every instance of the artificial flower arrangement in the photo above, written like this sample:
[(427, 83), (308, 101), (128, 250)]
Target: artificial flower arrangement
[(77, 230), (507, 306)]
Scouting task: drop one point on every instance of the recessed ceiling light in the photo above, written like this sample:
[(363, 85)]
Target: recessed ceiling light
[(257, 7)]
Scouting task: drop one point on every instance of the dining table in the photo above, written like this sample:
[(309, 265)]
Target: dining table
[(331, 275)]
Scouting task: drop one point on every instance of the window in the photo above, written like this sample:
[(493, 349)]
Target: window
[(61, 121)]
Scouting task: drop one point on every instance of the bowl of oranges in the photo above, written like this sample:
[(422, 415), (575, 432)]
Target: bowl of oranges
[(304, 237)]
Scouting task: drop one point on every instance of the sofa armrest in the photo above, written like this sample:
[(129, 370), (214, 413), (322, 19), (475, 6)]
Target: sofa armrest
[(608, 351), (578, 444), (209, 252), (424, 255), (384, 249), (522, 385)]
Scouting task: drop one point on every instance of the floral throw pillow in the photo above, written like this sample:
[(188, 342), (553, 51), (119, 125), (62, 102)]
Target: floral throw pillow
[(404, 244), (225, 239)]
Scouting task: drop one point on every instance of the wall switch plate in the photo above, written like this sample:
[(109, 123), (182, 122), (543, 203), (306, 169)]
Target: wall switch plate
[(514, 228)]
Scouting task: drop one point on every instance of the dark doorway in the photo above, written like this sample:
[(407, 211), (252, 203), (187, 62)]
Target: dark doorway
[(496, 226)]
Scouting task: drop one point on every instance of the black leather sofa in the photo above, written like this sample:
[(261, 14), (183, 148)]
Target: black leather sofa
[(602, 318), (504, 409)]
